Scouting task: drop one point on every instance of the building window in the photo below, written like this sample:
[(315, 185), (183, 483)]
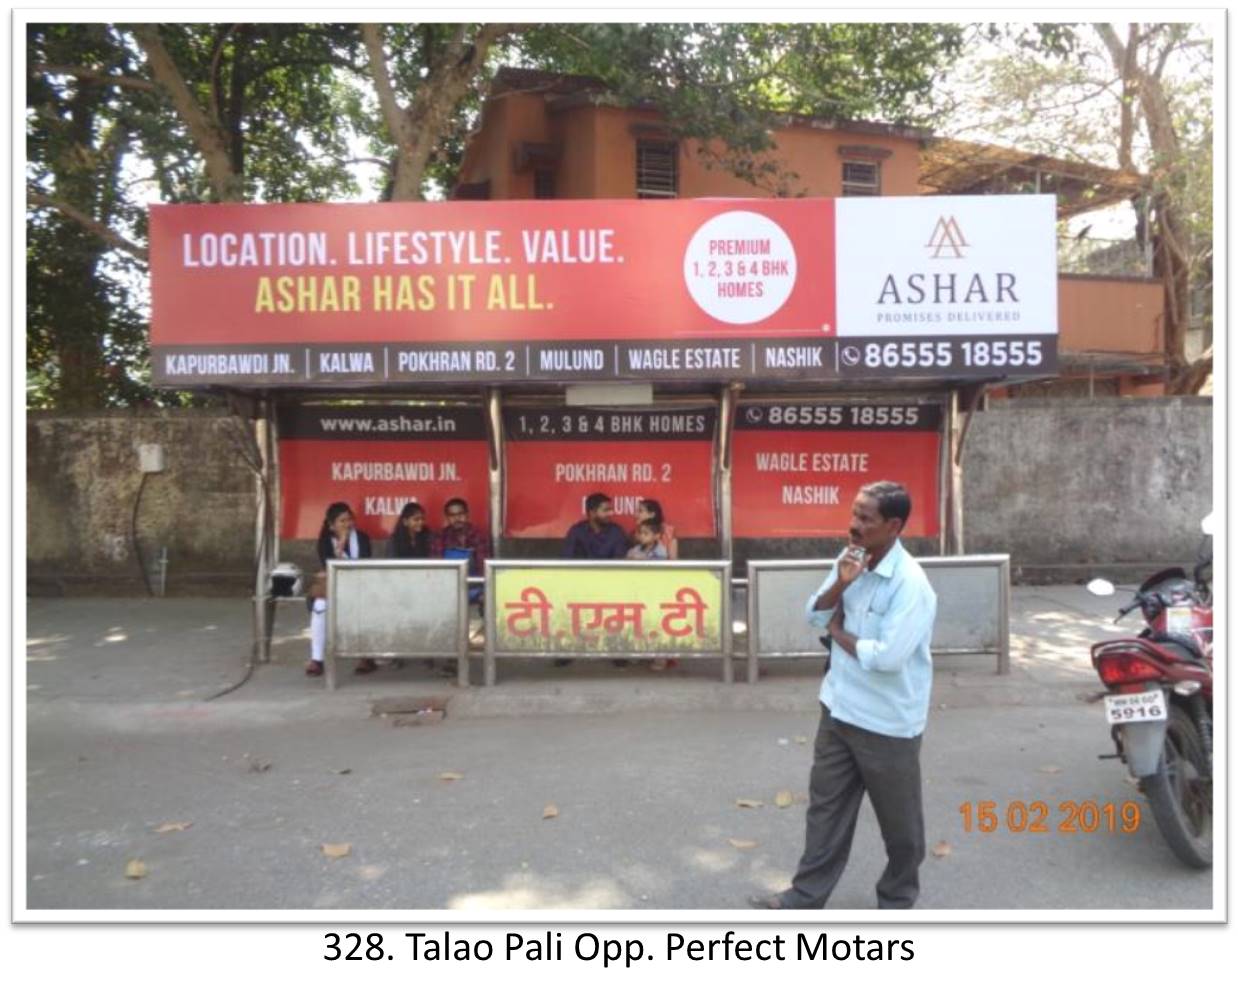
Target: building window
[(544, 184), (657, 169), (861, 179)]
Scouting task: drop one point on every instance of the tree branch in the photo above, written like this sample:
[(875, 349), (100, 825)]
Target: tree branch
[(1191, 378), (393, 113), (87, 222), (93, 75), (217, 100), (211, 142), (435, 100)]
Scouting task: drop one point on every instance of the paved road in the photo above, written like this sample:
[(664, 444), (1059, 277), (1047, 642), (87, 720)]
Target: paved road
[(646, 780), (646, 809)]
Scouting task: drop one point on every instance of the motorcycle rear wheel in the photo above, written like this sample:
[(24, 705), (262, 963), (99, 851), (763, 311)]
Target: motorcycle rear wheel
[(1180, 793)]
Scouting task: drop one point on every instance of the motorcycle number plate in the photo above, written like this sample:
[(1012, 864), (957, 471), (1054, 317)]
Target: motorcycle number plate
[(1141, 707)]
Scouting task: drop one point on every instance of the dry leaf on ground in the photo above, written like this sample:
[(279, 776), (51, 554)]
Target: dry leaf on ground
[(801, 740), (337, 850), (740, 844), (783, 799), (172, 827), (550, 812), (1049, 769), (135, 869), (749, 803), (942, 849), (450, 776)]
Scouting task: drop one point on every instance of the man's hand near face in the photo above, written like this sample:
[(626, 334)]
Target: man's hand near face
[(851, 564), (850, 567)]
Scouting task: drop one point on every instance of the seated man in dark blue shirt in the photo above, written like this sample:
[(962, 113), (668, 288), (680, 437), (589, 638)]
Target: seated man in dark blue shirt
[(595, 538)]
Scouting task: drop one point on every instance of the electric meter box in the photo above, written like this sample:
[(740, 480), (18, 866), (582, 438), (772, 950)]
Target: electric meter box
[(150, 458)]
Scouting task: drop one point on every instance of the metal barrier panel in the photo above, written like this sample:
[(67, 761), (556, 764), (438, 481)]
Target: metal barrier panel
[(608, 608), (397, 608), (973, 607)]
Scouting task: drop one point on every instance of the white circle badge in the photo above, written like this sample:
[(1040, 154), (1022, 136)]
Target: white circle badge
[(740, 267)]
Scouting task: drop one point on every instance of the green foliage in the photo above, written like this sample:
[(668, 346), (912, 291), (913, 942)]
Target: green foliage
[(294, 104), (84, 333)]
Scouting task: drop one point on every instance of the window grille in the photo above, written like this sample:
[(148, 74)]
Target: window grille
[(657, 169), (861, 179)]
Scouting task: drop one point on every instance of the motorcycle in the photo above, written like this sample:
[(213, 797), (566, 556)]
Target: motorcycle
[(1159, 700)]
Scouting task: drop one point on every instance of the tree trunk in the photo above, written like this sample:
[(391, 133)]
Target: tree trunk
[(1171, 259), (417, 129), (208, 135)]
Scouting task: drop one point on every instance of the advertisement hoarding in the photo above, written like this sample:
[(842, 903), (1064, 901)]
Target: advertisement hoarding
[(557, 456), (566, 291), (796, 467), (377, 458)]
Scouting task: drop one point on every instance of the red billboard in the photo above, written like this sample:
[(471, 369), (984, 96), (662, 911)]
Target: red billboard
[(796, 467), (377, 459), (556, 457), (494, 292)]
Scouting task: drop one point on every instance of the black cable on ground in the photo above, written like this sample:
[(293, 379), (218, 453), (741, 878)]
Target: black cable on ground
[(250, 668), (133, 536)]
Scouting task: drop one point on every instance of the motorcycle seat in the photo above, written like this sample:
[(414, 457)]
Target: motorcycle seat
[(1178, 647)]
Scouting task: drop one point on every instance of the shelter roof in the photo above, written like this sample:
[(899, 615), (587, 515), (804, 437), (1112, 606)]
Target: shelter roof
[(952, 166)]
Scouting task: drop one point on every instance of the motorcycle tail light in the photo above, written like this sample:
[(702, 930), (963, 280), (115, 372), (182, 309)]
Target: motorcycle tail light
[(1121, 668)]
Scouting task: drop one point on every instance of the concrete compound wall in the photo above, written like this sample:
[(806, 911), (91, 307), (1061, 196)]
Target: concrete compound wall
[(1066, 486), (1097, 482), (82, 478)]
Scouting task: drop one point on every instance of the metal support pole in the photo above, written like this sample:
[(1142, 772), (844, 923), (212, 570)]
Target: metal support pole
[(494, 434), (263, 606), (331, 662), (753, 617), (275, 493), (972, 396), (726, 436), (490, 670), (944, 463), (1003, 620), (956, 477), (462, 627)]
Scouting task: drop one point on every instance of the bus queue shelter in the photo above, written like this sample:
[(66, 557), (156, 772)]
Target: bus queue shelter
[(750, 362)]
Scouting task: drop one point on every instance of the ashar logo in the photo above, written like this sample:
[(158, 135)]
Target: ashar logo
[(946, 237), (945, 284)]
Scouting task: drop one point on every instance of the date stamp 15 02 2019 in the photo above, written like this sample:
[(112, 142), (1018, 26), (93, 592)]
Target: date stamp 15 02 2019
[(1038, 816)]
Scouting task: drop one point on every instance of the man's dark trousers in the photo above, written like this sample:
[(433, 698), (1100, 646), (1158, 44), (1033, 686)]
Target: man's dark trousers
[(847, 761)]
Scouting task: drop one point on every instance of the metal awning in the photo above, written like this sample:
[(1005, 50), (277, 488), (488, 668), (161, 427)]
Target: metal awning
[(950, 166)]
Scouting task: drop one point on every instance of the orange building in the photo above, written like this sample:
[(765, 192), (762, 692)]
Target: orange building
[(552, 136)]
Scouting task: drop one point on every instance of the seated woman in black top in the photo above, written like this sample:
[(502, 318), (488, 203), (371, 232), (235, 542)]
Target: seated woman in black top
[(410, 538), (339, 539)]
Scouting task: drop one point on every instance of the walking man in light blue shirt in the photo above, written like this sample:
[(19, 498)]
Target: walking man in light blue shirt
[(879, 610)]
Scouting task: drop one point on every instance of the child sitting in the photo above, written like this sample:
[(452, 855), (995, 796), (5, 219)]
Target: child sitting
[(648, 545)]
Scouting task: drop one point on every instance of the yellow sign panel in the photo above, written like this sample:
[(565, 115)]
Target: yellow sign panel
[(619, 611)]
